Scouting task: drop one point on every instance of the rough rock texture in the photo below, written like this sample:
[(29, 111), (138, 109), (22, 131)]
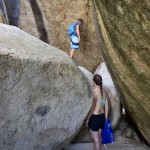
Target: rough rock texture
[(27, 19), (1, 17), (51, 20), (2, 12), (44, 97), (87, 73), (123, 29)]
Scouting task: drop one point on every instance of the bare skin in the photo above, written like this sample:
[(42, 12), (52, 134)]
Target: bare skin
[(72, 53), (96, 109)]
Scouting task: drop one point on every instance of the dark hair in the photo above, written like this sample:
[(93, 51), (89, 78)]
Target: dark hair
[(80, 20), (98, 80)]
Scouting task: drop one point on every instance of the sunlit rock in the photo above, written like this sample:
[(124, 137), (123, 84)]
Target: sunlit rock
[(44, 97)]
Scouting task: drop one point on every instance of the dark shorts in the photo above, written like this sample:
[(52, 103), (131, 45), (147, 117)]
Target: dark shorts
[(97, 122)]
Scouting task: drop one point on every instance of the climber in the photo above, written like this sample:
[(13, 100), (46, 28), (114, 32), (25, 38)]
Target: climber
[(74, 33)]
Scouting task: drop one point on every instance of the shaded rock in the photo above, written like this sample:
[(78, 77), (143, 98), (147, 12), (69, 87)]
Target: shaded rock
[(128, 131), (3, 12), (13, 11), (1, 17), (123, 33), (83, 136), (44, 97), (130, 134)]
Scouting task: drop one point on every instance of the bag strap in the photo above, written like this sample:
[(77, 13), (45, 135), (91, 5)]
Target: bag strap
[(105, 146)]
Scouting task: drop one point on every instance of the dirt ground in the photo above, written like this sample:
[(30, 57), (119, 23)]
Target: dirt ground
[(119, 144)]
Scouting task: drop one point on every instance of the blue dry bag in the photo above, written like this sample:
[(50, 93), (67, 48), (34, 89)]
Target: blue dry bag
[(107, 133), (71, 29)]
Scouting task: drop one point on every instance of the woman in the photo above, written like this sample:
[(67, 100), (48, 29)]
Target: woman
[(98, 113)]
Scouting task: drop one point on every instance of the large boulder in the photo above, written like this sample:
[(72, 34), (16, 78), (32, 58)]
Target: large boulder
[(123, 33), (87, 73), (44, 97), (27, 19)]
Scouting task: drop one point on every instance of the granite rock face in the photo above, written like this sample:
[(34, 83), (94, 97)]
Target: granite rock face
[(44, 97), (27, 19), (87, 73), (123, 32)]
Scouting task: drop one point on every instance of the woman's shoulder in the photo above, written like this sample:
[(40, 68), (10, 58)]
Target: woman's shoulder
[(96, 88), (97, 91)]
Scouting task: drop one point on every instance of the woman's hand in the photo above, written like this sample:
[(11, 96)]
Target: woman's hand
[(86, 122), (79, 40)]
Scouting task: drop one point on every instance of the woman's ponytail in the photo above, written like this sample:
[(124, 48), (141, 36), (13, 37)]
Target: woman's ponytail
[(98, 80)]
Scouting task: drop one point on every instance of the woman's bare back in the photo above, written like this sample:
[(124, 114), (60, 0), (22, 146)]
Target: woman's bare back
[(99, 100)]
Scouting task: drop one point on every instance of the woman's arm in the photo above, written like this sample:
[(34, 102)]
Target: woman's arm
[(78, 32), (106, 106), (91, 110)]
